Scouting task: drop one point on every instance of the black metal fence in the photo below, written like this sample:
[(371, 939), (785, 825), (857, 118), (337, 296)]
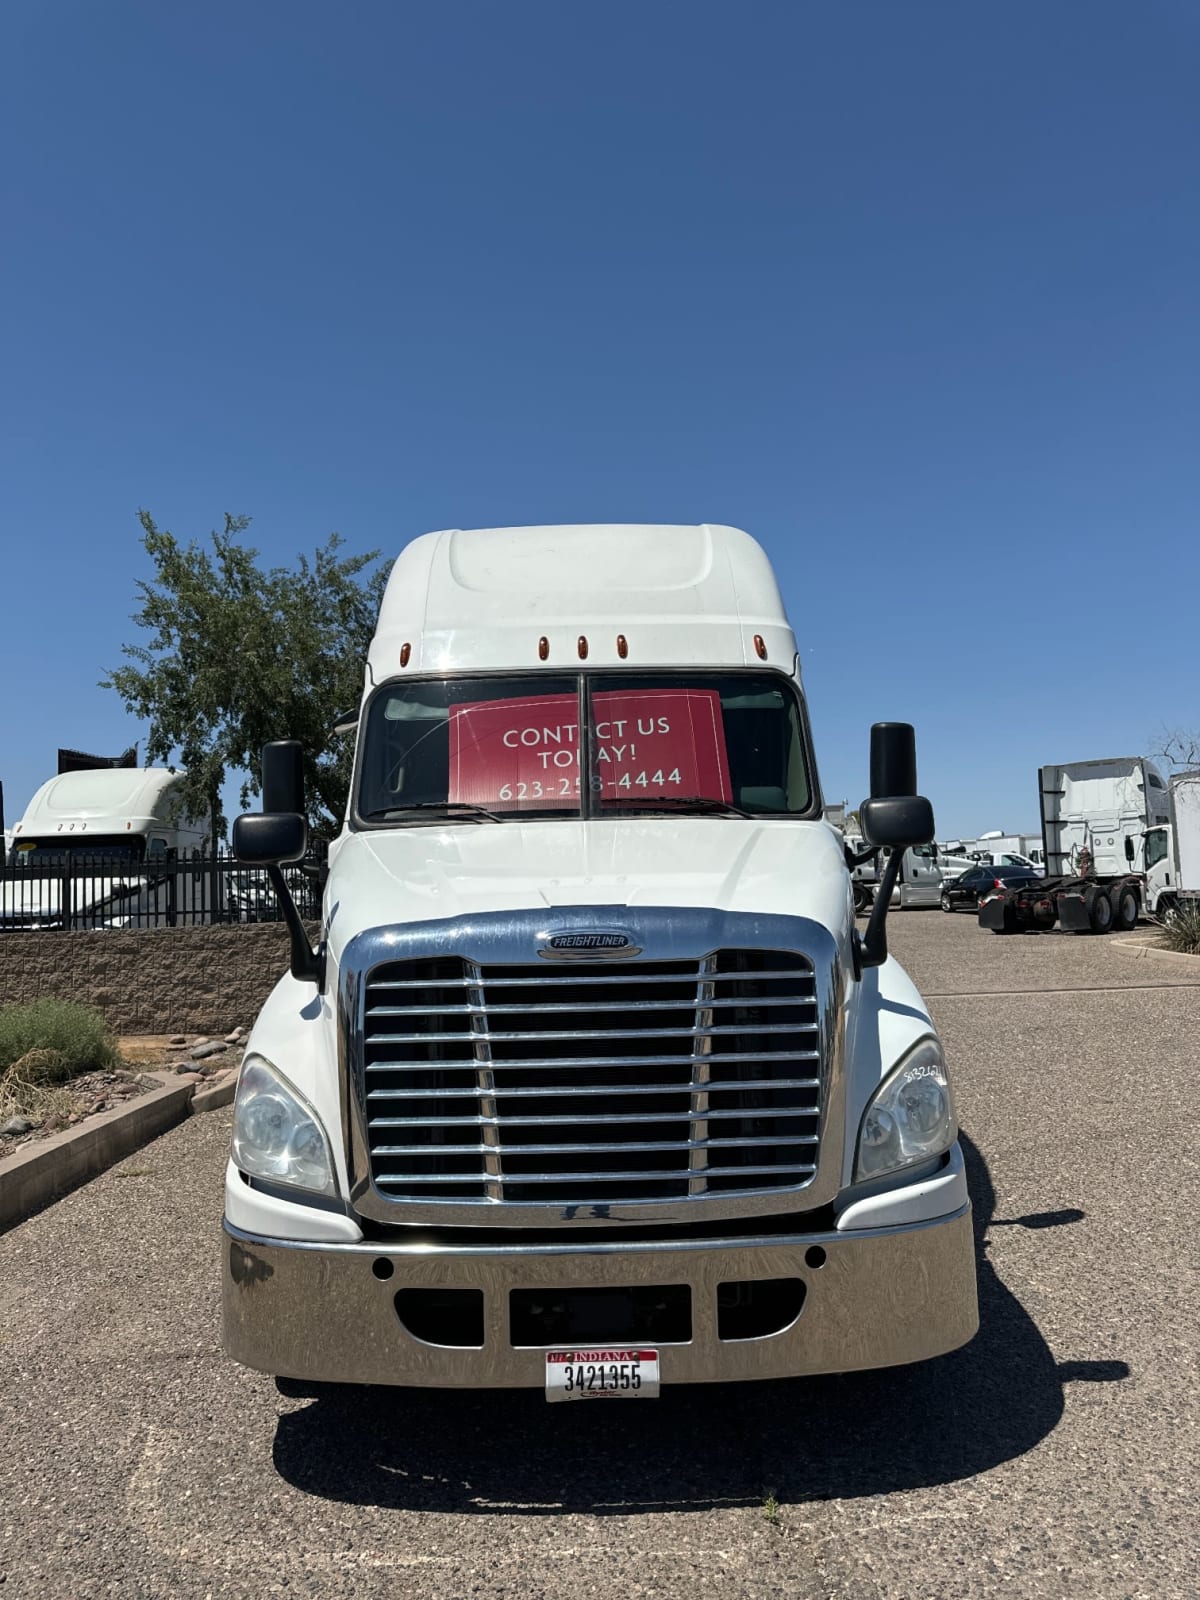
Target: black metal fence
[(77, 891)]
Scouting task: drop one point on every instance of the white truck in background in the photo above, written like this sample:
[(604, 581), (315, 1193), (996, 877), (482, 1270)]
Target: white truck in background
[(1098, 818), (1173, 849), (918, 880), (590, 1083), (92, 849), (1008, 849)]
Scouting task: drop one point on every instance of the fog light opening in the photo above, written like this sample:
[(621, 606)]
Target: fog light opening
[(756, 1308), (382, 1268), (451, 1317), (815, 1257)]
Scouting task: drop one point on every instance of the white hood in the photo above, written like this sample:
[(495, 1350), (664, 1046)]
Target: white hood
[(419, 874)]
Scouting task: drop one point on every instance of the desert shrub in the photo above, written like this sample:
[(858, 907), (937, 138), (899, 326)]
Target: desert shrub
[(1181, 930), (59, 1039)]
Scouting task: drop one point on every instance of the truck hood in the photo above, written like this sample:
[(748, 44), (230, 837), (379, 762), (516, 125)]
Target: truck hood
[(421, 874)]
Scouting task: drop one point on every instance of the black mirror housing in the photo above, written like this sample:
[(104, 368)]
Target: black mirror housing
[(893, 760), (897, 821), (270, 838), (283, 776)]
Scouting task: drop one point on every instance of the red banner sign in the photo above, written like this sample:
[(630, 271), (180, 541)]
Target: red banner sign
[(524, 753)]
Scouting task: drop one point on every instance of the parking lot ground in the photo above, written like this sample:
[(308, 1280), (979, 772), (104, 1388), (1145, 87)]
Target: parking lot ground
[(1054, 1456)]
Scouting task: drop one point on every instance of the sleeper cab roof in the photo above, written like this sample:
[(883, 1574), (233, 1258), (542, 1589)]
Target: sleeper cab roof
[(482, 599)]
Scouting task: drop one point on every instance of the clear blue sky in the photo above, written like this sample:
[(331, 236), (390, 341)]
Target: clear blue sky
[(908, 290)]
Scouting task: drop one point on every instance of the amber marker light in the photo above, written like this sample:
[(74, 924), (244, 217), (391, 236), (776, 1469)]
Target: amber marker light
[(760, 646)]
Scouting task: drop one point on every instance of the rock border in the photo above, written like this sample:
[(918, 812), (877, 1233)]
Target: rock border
[(44, 1170)]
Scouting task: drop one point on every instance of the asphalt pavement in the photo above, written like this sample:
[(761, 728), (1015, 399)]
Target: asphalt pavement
[(1056, 1455)]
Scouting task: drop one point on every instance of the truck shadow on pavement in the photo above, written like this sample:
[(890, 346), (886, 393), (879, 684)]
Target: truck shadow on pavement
[(704, 1446)]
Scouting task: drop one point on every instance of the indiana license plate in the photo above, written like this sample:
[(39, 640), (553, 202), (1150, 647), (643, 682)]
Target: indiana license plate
[(602, 1375)]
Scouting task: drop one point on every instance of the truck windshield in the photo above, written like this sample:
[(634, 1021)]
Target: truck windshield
[(79, 851), (480, 749)]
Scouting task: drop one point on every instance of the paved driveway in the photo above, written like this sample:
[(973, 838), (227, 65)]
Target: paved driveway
[(1055, 1456)]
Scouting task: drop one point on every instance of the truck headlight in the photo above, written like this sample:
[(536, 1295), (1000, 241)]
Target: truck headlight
[(276, 1134), (910, 1117)]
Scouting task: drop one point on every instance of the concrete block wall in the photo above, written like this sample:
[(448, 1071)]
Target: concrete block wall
[(161, 980)]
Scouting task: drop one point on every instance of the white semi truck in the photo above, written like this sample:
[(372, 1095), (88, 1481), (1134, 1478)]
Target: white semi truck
[(590, 1082), (91, 850), (918, 881), (1098, 818)]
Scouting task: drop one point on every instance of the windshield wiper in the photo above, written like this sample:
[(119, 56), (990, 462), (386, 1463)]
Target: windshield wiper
[(461, 808), (700, 804)]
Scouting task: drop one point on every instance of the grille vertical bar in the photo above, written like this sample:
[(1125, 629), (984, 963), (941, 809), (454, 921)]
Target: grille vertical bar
[(485, 1080), (697, 1182)]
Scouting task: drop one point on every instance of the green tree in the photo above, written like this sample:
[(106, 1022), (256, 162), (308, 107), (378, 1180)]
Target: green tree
[(238, 654)]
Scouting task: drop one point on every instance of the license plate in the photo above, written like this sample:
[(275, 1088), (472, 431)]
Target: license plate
[(602, 1375)]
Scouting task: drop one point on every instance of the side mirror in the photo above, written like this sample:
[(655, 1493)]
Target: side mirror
[(898, 821), (283, 776), (894, 818), (270, 838), (893, 760)]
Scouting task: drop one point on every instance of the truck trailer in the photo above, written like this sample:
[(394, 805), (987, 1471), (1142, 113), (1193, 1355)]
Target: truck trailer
[(1098, 820), (589, 1083)]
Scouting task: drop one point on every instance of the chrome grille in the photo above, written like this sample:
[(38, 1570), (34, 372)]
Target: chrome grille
[(591, 1082)]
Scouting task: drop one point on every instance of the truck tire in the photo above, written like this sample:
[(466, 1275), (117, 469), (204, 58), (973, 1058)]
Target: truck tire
[(1100, 912), (862, 900), (1127, 910)]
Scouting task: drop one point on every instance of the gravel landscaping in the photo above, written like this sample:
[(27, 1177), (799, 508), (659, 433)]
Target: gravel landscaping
[(32, 1110)]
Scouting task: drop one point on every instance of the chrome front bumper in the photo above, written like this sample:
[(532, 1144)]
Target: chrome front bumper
[(882, 1297)]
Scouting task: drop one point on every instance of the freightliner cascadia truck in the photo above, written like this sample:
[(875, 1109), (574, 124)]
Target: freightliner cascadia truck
[(587, 1081)]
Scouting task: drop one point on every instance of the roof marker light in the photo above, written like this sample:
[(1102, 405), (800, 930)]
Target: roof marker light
[(622, 646), (543, 648), (405, 652), (583, 647), (760, 647)]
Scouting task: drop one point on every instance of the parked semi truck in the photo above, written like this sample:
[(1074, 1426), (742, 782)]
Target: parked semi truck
[(114, 828), (918, 879), (1098, 819), (590, 1082)]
